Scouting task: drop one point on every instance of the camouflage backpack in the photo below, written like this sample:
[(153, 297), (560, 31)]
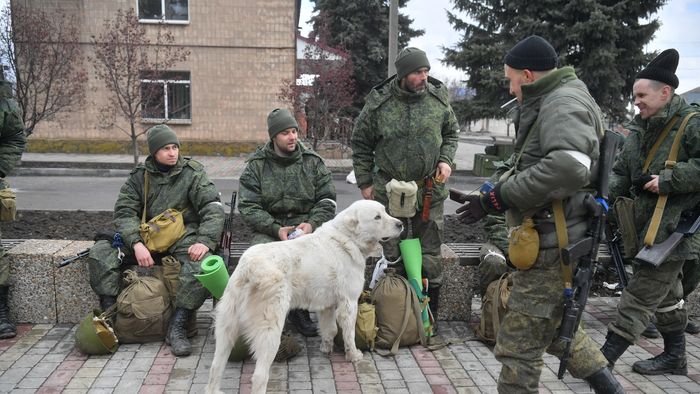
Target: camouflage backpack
[(493, 308), (143, 309)]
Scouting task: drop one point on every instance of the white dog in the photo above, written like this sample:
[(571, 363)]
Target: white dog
[(322, 272)]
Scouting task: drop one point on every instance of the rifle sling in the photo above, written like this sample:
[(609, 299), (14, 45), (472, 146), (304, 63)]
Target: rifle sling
[(670, 163), (563, 239)]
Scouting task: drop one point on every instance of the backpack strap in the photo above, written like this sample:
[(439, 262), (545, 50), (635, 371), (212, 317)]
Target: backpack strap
[(145, 195)]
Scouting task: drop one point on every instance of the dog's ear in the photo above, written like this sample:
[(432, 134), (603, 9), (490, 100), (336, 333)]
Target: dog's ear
[(350, 220)]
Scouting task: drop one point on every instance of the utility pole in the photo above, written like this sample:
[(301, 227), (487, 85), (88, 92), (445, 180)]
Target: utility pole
[(393, 36)]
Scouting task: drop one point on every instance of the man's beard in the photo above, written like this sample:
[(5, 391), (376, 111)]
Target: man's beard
[(418, 88)]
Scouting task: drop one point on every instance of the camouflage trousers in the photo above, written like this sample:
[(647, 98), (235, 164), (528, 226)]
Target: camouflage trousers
[(531, 325), (4, 268), (106, 272), (651, 289), (430, 235)]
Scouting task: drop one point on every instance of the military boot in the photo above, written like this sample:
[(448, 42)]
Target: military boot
[(651, 331), (7, 329), (603, 382), (614, 347), (671, 361), (434, 303), (301, 320), (106, 301), (177, 333), (692, 327)]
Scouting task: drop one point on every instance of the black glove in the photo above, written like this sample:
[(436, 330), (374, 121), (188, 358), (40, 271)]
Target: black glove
[(472, 211), (640, 181)]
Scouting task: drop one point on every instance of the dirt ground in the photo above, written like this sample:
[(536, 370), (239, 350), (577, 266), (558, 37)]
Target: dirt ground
[(82, 225)]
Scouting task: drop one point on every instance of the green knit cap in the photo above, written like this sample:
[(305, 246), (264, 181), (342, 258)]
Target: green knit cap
[(159, 136), (280, 120), (409, 60)]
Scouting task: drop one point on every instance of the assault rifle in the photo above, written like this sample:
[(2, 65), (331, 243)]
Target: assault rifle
[(78, 255), (612, 236), (585, 251), (107, 235), (226, 236)]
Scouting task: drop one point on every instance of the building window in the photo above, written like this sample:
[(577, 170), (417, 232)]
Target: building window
[(165, 96), (175, 11)]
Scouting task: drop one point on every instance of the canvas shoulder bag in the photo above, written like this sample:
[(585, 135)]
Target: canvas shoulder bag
[(161, 232)]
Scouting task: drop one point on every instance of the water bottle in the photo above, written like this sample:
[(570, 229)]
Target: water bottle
[(295, 233)]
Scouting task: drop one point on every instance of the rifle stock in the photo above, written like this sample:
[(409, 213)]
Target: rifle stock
[(458, 196)]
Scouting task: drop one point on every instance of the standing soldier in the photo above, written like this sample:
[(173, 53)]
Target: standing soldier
[(12, 143), (407, 132), (645, 172), (559, 127), (286, 187), (173, 182)]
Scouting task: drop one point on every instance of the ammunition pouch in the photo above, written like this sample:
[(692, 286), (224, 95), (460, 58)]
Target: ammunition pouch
[(623, 208), (8, 205), (523, 245)]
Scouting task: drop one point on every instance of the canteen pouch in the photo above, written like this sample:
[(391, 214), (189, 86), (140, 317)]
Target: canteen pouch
[(624, 213), (161, 232), (8, 205), (403, 200), (524, 245)]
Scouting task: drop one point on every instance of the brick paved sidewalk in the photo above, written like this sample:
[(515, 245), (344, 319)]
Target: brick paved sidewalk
[(42, 359)]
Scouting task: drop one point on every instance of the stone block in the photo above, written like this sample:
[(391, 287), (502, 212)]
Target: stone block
[(33, 291), (74, 297)]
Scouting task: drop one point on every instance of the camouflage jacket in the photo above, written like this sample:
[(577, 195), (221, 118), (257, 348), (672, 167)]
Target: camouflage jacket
[(12, 137), (280, 191), (403, 135), (559, 127), (186, 186), (681, 183)]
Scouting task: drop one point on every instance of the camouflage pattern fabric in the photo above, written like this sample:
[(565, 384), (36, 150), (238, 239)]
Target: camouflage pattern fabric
[(403, 135), (530, 328), (185, 187), (280, 191), (651, 288), (551, 117), (12, 143)]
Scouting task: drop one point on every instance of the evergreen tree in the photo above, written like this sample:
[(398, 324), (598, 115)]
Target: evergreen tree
[(361, 28), (602, 39)]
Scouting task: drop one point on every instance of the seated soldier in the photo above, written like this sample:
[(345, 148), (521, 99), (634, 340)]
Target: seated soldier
[(284, 188), (173, 182)]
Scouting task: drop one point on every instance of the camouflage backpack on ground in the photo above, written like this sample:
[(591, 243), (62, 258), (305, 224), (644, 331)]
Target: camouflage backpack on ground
[(143, 309), (493, 308)]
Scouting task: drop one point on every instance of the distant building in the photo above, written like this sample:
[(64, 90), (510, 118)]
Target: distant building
[(692, 96), (240, 52)]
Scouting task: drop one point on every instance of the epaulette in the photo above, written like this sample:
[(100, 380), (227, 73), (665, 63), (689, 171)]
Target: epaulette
[(137, 168), (197, 166), (439, 90)]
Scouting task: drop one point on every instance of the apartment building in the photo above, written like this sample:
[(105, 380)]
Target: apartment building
[(240, 53)]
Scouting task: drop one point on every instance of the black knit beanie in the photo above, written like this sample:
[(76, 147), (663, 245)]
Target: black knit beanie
[(280, 120), (533, 53), (662, 68), (159, 136), (409, 60)]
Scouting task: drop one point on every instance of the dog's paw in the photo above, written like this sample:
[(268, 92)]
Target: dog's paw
[(326, 347), (353, 355)]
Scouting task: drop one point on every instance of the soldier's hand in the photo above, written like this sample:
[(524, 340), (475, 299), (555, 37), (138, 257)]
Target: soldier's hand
[(306, 228), (143, 255), (443, 172), (197, 251), (284, 232), (652, 185), (368, 193), (472, 211)]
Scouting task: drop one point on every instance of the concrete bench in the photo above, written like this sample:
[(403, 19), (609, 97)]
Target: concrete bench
[(44, 293)]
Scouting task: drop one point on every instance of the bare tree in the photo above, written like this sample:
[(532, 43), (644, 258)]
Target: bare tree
[(323, 93), (45, 59), (125, 55)]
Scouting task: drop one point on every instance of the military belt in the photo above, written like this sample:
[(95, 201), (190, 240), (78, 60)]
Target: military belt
[(386, 175)]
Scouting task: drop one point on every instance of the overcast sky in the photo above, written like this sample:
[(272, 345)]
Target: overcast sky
[(679, 20)]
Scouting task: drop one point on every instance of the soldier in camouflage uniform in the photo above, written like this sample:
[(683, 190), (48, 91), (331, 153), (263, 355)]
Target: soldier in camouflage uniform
[(12, 144), (559, 127), (407, 131), (657, 291), (173, 182), (286, 187)]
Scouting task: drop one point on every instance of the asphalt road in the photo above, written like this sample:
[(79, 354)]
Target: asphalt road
[(100, 193)]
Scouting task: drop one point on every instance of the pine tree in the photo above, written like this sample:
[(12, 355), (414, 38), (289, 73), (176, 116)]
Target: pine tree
[(602, 39), (361, 28)]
